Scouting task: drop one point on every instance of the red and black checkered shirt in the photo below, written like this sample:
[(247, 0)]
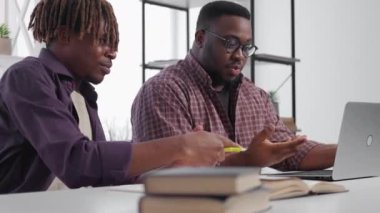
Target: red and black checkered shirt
[(181, 97)]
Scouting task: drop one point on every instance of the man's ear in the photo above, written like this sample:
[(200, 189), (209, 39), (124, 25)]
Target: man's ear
[(200, 38)]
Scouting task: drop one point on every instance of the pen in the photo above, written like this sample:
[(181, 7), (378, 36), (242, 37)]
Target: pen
[(234, 149)]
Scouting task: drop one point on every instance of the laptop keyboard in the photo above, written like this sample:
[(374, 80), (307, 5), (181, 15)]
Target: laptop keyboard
[(315, 172), (310, 175)]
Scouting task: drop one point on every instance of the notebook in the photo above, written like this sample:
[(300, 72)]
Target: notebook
[(358, 153)]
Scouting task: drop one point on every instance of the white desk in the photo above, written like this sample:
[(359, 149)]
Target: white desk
[(364, 196), (84, 200)]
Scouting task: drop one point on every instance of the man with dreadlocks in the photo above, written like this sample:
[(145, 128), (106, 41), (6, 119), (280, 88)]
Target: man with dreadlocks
[(49, 127)]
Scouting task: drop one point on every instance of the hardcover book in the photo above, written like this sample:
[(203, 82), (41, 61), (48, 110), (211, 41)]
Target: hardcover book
[(215, 181), (256, 200)]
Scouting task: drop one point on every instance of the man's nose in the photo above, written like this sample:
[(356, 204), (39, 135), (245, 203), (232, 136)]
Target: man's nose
[(111, 54), (238, 53)]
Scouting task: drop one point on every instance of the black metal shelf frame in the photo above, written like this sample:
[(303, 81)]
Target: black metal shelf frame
[(186, 10), (279, 59)]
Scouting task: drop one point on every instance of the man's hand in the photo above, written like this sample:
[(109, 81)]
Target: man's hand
[(262, 152), (201, 148), (192, 149)]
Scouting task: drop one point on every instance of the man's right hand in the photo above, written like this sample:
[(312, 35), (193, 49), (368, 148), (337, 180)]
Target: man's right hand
[(262, 152), (201, 148)]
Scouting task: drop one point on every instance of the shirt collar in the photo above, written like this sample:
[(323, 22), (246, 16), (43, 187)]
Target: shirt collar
[(197, 72), (53, 64)]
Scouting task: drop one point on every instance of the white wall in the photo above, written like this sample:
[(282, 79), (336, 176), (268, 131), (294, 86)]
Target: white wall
[(337, 42), (118, 89), (2, 11), (272, 36)]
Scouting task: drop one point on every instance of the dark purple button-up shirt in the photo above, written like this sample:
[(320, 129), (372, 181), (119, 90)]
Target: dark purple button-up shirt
[(39, 134)]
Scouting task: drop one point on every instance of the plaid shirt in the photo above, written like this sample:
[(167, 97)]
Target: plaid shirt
[(181, 97)]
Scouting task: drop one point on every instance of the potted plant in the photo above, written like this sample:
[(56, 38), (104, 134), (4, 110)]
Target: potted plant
[(5, 41), (273, 97), (273, 93)]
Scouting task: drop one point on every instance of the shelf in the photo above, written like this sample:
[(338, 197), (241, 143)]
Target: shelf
[(275, 59), (160, 64), (186, 4)]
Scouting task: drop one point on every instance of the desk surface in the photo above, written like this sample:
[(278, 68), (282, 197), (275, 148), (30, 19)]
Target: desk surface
[(85, 200), (363, 196)]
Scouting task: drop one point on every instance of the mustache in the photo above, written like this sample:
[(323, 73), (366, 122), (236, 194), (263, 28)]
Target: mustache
[(235, 65)]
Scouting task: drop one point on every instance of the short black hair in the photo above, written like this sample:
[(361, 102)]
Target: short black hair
[(216, 9)]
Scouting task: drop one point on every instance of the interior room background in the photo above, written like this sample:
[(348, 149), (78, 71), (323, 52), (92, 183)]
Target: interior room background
[(336, 41)]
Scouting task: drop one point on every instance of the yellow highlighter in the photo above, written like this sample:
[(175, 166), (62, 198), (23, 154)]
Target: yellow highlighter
[(234, 149)]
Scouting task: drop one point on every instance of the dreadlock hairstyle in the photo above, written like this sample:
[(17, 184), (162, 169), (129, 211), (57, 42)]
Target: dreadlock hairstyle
[(216, 9), (78, 16)]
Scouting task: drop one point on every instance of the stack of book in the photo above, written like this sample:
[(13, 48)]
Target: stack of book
[(215, 190)]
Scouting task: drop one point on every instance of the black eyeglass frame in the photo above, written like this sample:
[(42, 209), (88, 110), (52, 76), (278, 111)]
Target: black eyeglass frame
[(247, 49)]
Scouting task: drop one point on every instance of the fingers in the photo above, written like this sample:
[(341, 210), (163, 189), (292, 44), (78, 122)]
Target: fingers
[(264, 134), (289, 147), (296, 141), (204, 149), (198, 127), (226, 141), (221, 156), (214, 156)]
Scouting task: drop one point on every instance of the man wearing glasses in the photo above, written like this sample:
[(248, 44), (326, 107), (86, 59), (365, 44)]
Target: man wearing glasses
[(207, 91)]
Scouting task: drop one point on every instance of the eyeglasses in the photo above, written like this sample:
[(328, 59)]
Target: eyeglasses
[(232, 44)]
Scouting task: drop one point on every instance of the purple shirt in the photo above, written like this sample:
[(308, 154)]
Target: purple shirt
[(39, 134), (181, 97)]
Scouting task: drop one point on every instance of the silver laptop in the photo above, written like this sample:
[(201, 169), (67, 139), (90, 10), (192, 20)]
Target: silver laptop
[(358, 153)]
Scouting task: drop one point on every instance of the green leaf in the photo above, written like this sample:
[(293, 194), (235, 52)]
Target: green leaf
[(273, 96), (4, 31)]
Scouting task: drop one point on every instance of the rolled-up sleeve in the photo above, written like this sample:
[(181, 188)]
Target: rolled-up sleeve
[(294, 162)]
